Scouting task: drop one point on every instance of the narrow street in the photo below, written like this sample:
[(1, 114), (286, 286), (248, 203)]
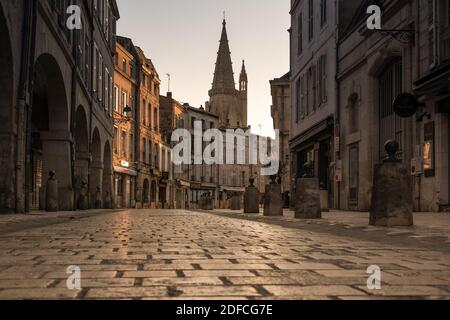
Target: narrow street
[(156, 254)]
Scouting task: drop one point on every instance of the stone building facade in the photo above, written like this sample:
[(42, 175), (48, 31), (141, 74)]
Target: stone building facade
[(56, 102), (125, 93), (281, 115), (154, 183), (172, 117), (203, 178), (373, 69), (431, 86), (313, 37)]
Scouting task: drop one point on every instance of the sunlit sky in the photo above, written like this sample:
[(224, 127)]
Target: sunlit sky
[(182, 38)]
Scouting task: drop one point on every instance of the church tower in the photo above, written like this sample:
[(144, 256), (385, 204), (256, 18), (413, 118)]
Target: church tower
[(229, 104)]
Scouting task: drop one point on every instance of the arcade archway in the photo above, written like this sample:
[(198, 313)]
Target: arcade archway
[(50, 136)]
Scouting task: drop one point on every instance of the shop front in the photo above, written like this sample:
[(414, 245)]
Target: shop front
[(125, 187)]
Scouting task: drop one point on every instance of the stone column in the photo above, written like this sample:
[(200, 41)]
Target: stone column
[(108, 176), (139, 193), (95, 182), (82, 193), (98, 199), (133, 192), (392, 200), (108, 203), (82, 166)]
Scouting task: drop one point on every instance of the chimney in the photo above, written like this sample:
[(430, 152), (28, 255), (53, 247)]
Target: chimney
[(169, 95)]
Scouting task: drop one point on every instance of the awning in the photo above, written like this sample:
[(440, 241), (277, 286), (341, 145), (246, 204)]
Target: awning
[(232, 189), (323, 128), (183, 183), (125, 171), (435, 83), (209, 186)]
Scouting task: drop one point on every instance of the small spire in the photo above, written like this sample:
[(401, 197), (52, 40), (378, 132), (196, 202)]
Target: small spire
[(243, 76)]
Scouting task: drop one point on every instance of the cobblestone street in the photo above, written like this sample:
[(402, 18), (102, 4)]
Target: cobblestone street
[(152, 254)]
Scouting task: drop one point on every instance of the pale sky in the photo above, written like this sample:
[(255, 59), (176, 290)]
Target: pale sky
[(182, 38)]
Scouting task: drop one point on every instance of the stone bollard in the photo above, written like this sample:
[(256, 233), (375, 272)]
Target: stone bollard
[(308, 205), (235, 203), (51, 196), (209, 202), (108, 201), (201, 202), (273, 200), (83, 202), (98, 199), (251, 198), (307, 198), (392, 200)]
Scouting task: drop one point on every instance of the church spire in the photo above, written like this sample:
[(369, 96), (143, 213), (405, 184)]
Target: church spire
[(223, 74)]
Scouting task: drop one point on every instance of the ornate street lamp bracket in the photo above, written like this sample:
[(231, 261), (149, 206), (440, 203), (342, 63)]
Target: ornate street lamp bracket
[(405, 36)]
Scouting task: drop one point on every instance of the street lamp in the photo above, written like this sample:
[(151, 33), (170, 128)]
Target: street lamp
[(126, 116)]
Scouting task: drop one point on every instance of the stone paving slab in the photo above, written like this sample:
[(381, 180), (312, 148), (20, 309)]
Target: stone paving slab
[(175, 254)]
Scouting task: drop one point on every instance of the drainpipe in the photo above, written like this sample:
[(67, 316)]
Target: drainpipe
[(417, 125), (23, 131), (73, 101), (338, 102), (91, 106)]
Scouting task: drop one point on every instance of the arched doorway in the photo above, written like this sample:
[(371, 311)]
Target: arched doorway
[(7, 192), (96, 169), (146, 193), (108, 175), (390, 83), (50, 136), (82, 156)]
